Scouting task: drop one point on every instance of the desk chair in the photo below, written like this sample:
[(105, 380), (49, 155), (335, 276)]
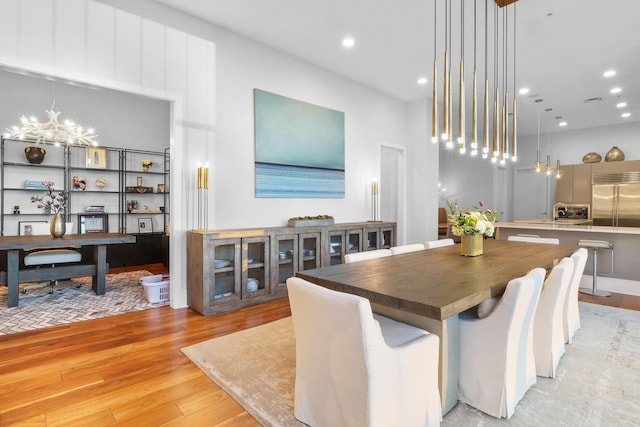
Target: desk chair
[(50, 257)]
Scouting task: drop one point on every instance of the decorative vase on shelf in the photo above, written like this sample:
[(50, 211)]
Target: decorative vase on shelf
[(145, 168), (35, 155), (58, 226), (471, 244)]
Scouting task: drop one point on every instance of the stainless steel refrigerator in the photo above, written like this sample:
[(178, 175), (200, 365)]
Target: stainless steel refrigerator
[(616, 199)]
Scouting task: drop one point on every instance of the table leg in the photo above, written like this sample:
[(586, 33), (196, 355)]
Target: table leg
[(98, 282), (448, 332), (13, 264)]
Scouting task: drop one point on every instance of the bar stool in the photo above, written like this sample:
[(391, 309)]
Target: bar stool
[(594, 245)]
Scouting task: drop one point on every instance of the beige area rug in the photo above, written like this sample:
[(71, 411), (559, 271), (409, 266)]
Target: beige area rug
[(39, 309), (598, 382)]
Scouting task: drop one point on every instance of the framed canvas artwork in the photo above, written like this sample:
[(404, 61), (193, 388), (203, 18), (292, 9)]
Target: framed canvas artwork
[(299, 148)]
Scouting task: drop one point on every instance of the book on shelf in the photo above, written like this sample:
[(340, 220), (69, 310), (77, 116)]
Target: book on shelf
[(94, 209)]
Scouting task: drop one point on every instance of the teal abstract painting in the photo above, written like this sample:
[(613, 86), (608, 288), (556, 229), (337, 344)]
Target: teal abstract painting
[(299, 148)]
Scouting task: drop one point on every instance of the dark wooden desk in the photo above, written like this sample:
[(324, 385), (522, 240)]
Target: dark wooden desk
[(14, 244), (430, 288)]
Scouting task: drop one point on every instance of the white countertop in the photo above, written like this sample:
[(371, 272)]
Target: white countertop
[(540, 224)]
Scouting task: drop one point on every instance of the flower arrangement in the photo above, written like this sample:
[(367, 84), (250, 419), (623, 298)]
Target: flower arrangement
[(57, 200), (477, 220)]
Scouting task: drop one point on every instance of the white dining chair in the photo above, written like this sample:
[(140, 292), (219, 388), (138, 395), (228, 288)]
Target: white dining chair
[(547, 240), (571, 313), (50, 256), (396, 250), (438, 243), (496, 361), (354, 368), (361, 256), (548, 327)]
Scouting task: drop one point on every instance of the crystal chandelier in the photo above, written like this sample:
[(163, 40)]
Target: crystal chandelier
[(52, 131)]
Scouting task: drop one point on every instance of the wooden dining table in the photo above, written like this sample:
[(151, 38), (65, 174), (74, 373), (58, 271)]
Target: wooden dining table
[(430, 288)]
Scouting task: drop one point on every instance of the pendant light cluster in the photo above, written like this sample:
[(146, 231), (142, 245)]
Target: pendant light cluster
[(547, 168), (499, 138)]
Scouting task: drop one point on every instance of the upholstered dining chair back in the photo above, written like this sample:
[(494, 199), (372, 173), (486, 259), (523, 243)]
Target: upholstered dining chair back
[(438, 243), (361, 256), (396, 250), (571, 313), (494, 357), (548, 328), (356, 370), (547, 240)]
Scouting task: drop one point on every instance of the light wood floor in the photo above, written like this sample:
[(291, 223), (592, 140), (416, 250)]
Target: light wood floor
[(129, 370)]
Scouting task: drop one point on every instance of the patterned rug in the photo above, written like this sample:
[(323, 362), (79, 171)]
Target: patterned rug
[(39, 309), (597, 383)]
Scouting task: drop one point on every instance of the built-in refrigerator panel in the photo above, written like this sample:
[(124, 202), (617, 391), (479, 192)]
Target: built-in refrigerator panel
[(603, 205), (629, 205), (616, 199)]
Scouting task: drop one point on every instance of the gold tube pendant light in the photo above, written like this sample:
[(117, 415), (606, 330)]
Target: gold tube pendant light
[(548, 169), (461, 142), (514, 133), (505, 122), (485, 114), (514, 119), (434, 93), (474, 106), (449, 143), (445, 80), (496, 126), (537, 165), (461, 139)]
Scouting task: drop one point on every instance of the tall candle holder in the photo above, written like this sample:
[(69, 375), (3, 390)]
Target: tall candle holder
[(203, 196), (375, 201)]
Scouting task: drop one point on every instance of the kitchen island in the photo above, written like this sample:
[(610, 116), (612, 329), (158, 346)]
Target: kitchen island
[(625, 240)]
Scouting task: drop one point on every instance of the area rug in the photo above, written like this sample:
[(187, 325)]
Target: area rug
[(39, 309), (598, 381)]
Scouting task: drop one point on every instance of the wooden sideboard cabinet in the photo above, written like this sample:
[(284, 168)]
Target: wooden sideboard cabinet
[(230, 269)]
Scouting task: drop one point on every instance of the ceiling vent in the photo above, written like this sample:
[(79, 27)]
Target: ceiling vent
[(596, 99)]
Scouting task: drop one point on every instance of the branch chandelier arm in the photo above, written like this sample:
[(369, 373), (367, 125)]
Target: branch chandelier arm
[(52, 130)]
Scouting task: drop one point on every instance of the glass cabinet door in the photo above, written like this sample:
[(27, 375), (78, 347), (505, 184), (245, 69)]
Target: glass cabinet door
[(255, 266), (354, 241), (285, 260), (308, 251), (336, 247), (372, 235), (225, 285), (388, 237)]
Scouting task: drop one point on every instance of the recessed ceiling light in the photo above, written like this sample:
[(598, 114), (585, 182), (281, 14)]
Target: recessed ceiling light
[(524, 91), (348, 42), (625, 115), (562, 124), (621, 104), (609, 73), (422, 81), (616, 90)]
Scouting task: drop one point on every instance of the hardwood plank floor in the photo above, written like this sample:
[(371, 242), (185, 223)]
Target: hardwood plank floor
[(129, 370)]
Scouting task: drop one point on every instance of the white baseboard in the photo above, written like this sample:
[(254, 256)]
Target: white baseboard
[(619, 286)]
